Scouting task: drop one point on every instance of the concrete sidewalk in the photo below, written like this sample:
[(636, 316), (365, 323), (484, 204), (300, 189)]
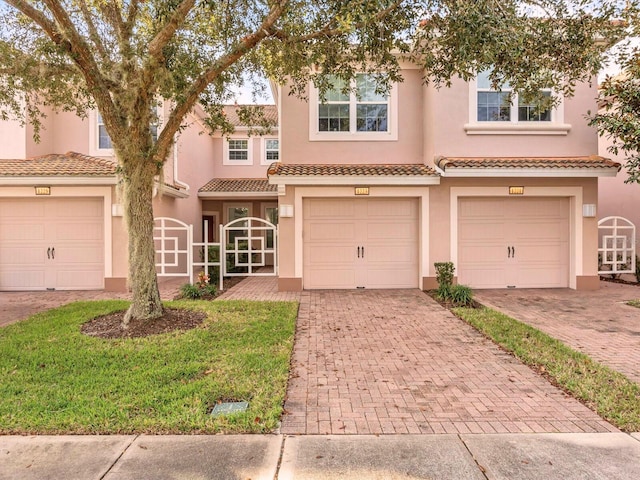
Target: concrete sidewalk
[(565, 456)]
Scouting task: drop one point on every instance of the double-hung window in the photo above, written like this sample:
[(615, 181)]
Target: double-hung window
[(271, 151), (238, 151), (355, 112), (502, 110), (504, 105)]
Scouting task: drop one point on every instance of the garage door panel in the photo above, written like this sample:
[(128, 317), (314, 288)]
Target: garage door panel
[(391, 208), (324, 231), (17, 231), (521, 242), (328, 208), (29, 227), (330, 254), (22, 279), (386, 228), (85, 277), (78, 231), (389, 231), (391, 277)]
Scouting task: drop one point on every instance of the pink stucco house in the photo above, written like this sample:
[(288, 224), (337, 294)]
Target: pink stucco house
[(371, 191)]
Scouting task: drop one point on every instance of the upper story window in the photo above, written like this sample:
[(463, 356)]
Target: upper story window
[(502, 111), (358, 113), (271, 151), (504, 105), (100, 141), (104, 140), (238, 151)]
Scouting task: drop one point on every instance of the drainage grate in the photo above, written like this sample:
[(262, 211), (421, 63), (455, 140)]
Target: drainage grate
[(229, 408)]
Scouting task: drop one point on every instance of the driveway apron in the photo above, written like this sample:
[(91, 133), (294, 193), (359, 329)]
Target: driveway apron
[(598, 323), (395, 361)]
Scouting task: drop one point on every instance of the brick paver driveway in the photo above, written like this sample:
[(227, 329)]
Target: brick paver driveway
[(394, 361), (598, 323)]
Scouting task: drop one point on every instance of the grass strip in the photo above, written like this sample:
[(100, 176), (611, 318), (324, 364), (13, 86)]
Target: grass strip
[(634, 303), (57, 380), (609, 393)]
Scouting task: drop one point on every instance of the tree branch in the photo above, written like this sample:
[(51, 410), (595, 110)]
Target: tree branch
[(166, 33), (93, 32), (200, 84), (37, 16)]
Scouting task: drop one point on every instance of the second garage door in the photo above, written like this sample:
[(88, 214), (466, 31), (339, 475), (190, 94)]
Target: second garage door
[(360, 243), (51, 243), (513, 242)]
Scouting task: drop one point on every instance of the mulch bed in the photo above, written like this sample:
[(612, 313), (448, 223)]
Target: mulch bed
[(110, 326), (618, 280)]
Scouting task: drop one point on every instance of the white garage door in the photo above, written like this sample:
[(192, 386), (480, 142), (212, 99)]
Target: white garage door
[(52, 243), (360, 243), (513, 242)]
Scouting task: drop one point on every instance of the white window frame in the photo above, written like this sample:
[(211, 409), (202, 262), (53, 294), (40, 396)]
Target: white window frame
[(94, 132), (555, 126), (265, 161), (225, 153), (353, 135), (228, 206)]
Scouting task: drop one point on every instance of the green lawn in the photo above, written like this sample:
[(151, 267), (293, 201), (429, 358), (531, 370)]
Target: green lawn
[(609, 393), (57, 380)]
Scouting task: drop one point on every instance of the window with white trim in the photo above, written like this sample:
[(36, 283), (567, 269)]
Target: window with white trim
[(271, 150), (360, 113), (101, 141), (501, 110), (238, 151), (504, 105), (104, 140)]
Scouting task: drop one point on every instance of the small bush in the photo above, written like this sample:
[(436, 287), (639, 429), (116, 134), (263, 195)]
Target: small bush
[(201, 289), (191, 291), (461, 295), (637, 269), (444, 277)]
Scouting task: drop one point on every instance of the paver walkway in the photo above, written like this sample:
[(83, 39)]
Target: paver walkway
[(15, 306), (394, 361), (597, 323)]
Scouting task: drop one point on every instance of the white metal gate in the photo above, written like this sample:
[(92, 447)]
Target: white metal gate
[(248, 247), (617, 246)]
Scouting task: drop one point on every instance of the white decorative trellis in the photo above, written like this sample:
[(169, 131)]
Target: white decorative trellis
[(617, 246), (248, 247)]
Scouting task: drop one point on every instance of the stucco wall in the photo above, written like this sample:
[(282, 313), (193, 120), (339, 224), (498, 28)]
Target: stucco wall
[(449, 112), (297, 148)]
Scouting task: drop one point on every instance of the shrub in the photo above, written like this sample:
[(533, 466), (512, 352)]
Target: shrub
[(444, 276), (202, 288), (461, 295), (637, 269)]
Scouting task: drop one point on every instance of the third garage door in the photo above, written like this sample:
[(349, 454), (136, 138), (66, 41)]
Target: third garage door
[(513, 242), (360, 243)]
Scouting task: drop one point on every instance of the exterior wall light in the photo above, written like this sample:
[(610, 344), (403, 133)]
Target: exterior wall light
[(286, 211), (589, 210)]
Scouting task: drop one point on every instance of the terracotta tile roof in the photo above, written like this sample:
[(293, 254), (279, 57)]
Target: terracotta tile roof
[(70, 164), (270, 114), (247, 185), (592, 162), (301, 170)]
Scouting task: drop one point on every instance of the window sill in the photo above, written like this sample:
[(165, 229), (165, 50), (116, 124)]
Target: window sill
[(506, 128), (238, 163), (353, 137)]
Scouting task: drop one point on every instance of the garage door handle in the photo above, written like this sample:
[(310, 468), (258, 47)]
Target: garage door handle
[(358, 252), (508, 252), (362, 252), (49, 253), (513, 252), (53, 253)]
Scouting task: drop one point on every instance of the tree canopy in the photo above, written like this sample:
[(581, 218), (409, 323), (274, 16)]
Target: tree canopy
[(121, 56), (618, 117)]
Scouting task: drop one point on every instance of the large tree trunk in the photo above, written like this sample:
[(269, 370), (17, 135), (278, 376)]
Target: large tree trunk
[(143, 281)]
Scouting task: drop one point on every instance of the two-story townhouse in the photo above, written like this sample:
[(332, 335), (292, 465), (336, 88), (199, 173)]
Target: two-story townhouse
[(373, 189), (61, 224)]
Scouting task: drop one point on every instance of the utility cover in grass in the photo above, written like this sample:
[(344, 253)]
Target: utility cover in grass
[(229, 408)]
